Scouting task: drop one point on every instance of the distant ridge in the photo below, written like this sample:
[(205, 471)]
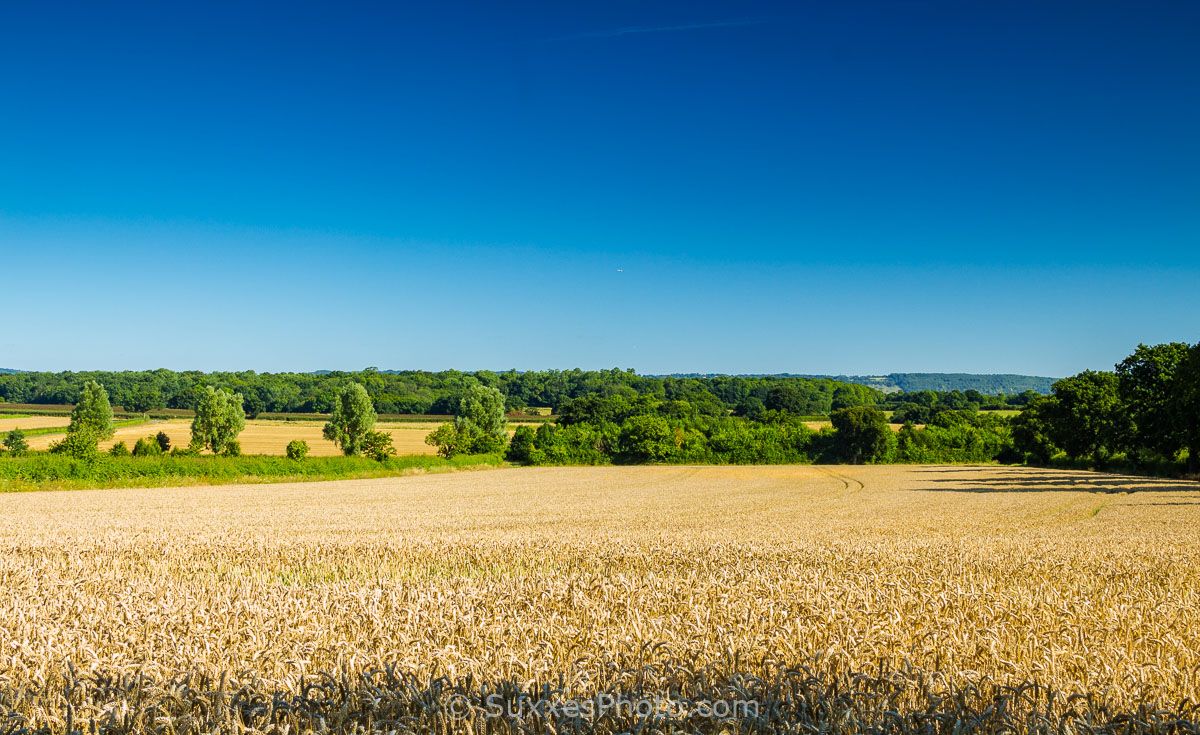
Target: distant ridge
[(6, 371), (988, 384)]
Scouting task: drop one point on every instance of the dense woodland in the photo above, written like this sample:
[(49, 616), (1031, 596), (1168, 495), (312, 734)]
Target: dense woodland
[(420, 392)]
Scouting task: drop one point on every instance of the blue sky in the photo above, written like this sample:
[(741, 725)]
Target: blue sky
[(848, 187)]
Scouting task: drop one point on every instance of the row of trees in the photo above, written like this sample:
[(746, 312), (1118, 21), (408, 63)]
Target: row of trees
[(422, 392), (1146, 410), (479, 427), (859, 435), (598, 430), (218, 420)]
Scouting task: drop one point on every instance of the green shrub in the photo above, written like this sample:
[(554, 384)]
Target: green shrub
[(464, 437), (14, 441), (233, 448), (522, 446), (78, 444), (164, 441), (297, 449), (646, 439), (118, 450), (147, 447), (378, 445)]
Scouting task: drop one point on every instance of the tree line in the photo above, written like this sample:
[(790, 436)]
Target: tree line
[(595, 430), (421, 392), (1145, 411)]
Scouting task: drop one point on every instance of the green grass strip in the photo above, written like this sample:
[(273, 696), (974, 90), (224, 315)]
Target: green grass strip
[(45, 471)]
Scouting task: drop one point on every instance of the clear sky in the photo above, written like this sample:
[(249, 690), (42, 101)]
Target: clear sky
[(836, 187)]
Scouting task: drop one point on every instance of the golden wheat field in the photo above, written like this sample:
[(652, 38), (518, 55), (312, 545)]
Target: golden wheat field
[(263, 436), (33, 422), (883, 599)]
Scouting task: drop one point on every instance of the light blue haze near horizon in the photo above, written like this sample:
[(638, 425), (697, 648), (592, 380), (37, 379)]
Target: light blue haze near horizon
[(716, 187)]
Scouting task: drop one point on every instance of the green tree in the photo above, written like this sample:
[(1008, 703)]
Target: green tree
[(352, 419), (79, 444), (118, 450), (164, 441), (297, 449), (92, 411), (378, 445), (144, 400), (1087, 417), (14, 441), (219, 419), (1188, 382), (1031, 430), (447, 439), (786, 397), (752, 408), (483, 407), (479, 424), (253, 405), (647, 439), (522, 446), (1158, 385), (844, 397), (861, 434)]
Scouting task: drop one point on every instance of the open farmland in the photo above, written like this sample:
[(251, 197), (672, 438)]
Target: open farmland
[(33, 422), (227, 600), (264, 437)]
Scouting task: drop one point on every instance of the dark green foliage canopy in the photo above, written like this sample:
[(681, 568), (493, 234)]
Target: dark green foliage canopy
[(419, 392), (1149, 409), (862, 434), (1160, 387)]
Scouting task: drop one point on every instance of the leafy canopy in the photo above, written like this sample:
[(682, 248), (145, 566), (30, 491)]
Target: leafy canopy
[(14, 441), (352, 419), (483, 407), (219, 419), (92, 412), (862, 434)]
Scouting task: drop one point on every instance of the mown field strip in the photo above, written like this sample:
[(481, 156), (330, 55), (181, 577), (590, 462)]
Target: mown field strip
[(264, 437), (33, 422)]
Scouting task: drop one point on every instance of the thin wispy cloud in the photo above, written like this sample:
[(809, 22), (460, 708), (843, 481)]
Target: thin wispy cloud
[(628, 30)]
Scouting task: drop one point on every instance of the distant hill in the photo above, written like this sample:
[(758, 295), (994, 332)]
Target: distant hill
[(988, 384), (6, 371)]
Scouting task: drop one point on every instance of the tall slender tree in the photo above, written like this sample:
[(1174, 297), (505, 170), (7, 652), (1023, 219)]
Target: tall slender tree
[(92, 412), (219, 419), (352, 419)]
